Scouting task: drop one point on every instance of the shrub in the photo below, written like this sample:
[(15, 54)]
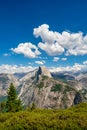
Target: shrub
[(40, 85)]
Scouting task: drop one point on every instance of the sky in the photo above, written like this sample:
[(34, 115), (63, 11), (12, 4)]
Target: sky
[(51, 33)]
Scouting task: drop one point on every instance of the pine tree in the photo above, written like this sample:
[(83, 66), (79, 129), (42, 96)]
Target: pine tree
[(13, 104)]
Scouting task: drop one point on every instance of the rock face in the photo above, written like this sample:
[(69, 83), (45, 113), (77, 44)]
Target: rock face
[(76, 80), (5, 80), (47, 93), (40, 87), (44, 71), (78, 98), (63, 76)]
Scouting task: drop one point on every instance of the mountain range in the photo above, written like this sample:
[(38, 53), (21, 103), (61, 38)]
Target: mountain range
[(46, 89)]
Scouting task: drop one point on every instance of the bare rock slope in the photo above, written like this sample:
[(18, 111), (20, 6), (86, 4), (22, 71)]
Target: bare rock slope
[(5, 80)]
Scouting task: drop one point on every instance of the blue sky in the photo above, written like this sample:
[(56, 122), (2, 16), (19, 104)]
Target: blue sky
[(52, 33)]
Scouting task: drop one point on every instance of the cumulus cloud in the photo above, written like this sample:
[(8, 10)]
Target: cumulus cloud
[(5, 68), (27, 49), (75, 68), (81, 48), (85, 62), (46, 35), (30, 63), (56, 59), (55, 43), (49, 40), (64, 59), (52, 49), (40, 62)]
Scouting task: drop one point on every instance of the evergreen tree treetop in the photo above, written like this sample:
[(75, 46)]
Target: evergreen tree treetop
[(13, 104), (12, 92)]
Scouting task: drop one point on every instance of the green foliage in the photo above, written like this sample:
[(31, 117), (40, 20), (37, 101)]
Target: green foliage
[(13, 104), (44, 77), (57, 87), (2, 106), (74, 118), (33, 107), (40, 85), (68, 88), (12, 92)]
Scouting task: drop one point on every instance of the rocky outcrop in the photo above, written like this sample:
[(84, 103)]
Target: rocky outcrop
[(78, 98), (44, 71)]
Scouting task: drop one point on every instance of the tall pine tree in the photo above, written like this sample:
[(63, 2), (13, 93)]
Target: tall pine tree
[(13, 104)]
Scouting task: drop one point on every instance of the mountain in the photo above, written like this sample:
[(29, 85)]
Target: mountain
[(19, 75), (44, 71), (63, 76), (5, 80), (41, 87), (77, 80)]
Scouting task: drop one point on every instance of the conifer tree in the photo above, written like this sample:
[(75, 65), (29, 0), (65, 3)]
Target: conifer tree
[(13, 104)]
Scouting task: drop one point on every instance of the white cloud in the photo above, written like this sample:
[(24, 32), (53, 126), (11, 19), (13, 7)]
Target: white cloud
[(30, 63), (45, 34), (49, 40), (45, 58), (40, 62), (51, 49), (56, 59), (55, 43), (64, 59), (70, 40), (81, 50), (85, 62), (75, 68), (5, 68), (27, 49)]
